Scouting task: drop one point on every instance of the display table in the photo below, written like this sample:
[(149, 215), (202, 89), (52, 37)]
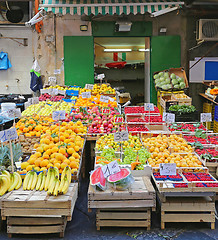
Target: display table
[(129, 208), (208, 98), (35, 212)]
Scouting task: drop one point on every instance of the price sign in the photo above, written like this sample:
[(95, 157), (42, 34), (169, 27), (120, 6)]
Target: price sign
[(8, 135), (149, 107), (61, 92), (58, 115), (89, 86), (106, 111), (118, 119), (54, 91), (100, 76), (121, 136), (111, 99), (169, 117), (35, 100), (206, 117), (52, 80), (167, 168), (86, 94), (11, 113), (57, 71), (110, 168), (43, 91), (30, 101), (104, 98)]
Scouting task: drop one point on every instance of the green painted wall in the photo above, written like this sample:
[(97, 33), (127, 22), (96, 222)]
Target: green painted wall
[(107, 29), (78, 60), (165, 53)]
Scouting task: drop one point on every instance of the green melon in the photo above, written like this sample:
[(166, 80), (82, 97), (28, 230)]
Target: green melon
[(97, 179)]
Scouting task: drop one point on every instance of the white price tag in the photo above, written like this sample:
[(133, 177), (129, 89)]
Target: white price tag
[(111, 99), (104, 98), (206, 117), (57, 71), (118, 119), (30, 101), (9, 134), (54, 91), (167, 168), (110, 169), (58, 115), (43, 91), (86, 94), (62, 92), (35, 100), (121, 136), (100, 76), (168, 117), (89, 86), (52, 80), (149, 107), (10, 113), (106, 110)]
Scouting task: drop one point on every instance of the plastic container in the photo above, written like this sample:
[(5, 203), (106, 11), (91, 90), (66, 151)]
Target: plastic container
[(6, 106)]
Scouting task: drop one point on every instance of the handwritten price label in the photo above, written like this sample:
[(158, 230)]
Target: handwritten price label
[(169, 117), (110, 169), (106, 111), (101, 76), (104, 99), (118, 119), (167, 168), (111, 99), (35, 100), (58, 115), (86, 94), (11, 113), (89, 86), (43, 91), (8, 135), (149, 107), (121, 136), (206, 117)]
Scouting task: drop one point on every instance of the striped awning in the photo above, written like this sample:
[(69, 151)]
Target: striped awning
[(110, 7)]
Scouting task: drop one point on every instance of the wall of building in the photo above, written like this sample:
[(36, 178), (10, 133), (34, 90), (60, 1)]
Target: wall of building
[(21, 58)]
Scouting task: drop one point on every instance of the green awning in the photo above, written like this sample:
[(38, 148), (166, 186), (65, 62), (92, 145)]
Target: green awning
[(110, 7)]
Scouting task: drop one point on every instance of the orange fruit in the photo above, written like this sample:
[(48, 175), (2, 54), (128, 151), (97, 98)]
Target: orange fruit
[(24, 165), (67, 161), (29, 168), (54, 149), (73, 165), (49, 152), (60, 170), (31, 160), (63, 165), (27, 135), (36, 145), (45, 155), (59, 156), (72, 159), (76, 148), (39, 149), (37, 162), (70, 151), (38, 154), (37, 169), (58, 165), (62, 150), (73, 170), (44, 163), (25, 130), (38, 134), (50, 165)]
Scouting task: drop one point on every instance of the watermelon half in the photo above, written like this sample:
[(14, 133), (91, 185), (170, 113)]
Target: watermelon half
[(97, 179), (121, 180)]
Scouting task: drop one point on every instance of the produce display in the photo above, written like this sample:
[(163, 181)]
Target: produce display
[(47, 96), (97, 179), (182, 109), (139, 110), (107, 141), (28, 144), (186, 127), (166, 81), (99, 89)]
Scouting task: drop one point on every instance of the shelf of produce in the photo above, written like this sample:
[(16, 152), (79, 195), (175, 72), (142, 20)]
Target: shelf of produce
[(208, 98), (198, 209)]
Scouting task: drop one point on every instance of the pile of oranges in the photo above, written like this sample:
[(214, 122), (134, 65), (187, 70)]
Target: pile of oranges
[(33, 126), (94, 101), (60, 146)]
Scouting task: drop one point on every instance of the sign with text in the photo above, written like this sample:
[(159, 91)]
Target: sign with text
[(43, 91), (8, 135), (149, 107), (111, 99), (110, 169), (167, 168), (12, 113), (104, 98), (121, 136), (106, 111), (57, 71), (35, 100), (86, 94), (118, 119), (58, 115), (168, 117), (100, 76), (89, 86), (206, 117)]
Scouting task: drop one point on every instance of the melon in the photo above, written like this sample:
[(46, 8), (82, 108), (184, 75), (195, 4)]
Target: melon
[(97, 179), (121, 180)]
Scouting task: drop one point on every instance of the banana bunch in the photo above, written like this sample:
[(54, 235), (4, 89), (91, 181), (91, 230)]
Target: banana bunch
[(9, 182), (65, 180)]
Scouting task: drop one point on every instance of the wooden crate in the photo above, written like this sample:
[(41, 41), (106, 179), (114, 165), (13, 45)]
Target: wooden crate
[(140, 195), (195, 209), (20, 203), (131, 217), (182, 101), (36, 225)]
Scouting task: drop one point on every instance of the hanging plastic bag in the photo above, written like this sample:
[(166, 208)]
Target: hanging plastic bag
[(36, 80), (4, 61)]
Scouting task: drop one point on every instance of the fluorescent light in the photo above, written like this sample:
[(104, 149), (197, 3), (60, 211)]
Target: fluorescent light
[(144, 50), (118, 50), (164, 11)]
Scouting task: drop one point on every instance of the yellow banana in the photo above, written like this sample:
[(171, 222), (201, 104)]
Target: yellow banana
[(48, 179), (61, 184), (4, 184), (52, 178), (14, 181), (39, 181), (26, 181), (5, 172), (65, 187), (51, 187), (64, 172), (33, 184), (30, 181), (19, 181), (55, 193), (56, 170), (43, 182), (69, 175)]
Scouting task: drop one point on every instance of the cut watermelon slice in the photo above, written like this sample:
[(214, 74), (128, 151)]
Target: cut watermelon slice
[(97, 179), (122, 180)]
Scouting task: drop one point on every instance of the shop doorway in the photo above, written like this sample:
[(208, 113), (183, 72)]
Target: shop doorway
[(125, 62)]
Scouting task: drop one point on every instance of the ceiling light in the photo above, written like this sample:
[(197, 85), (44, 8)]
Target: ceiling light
[(164, 11), (118, 50), (123, 26), (144, 50)]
